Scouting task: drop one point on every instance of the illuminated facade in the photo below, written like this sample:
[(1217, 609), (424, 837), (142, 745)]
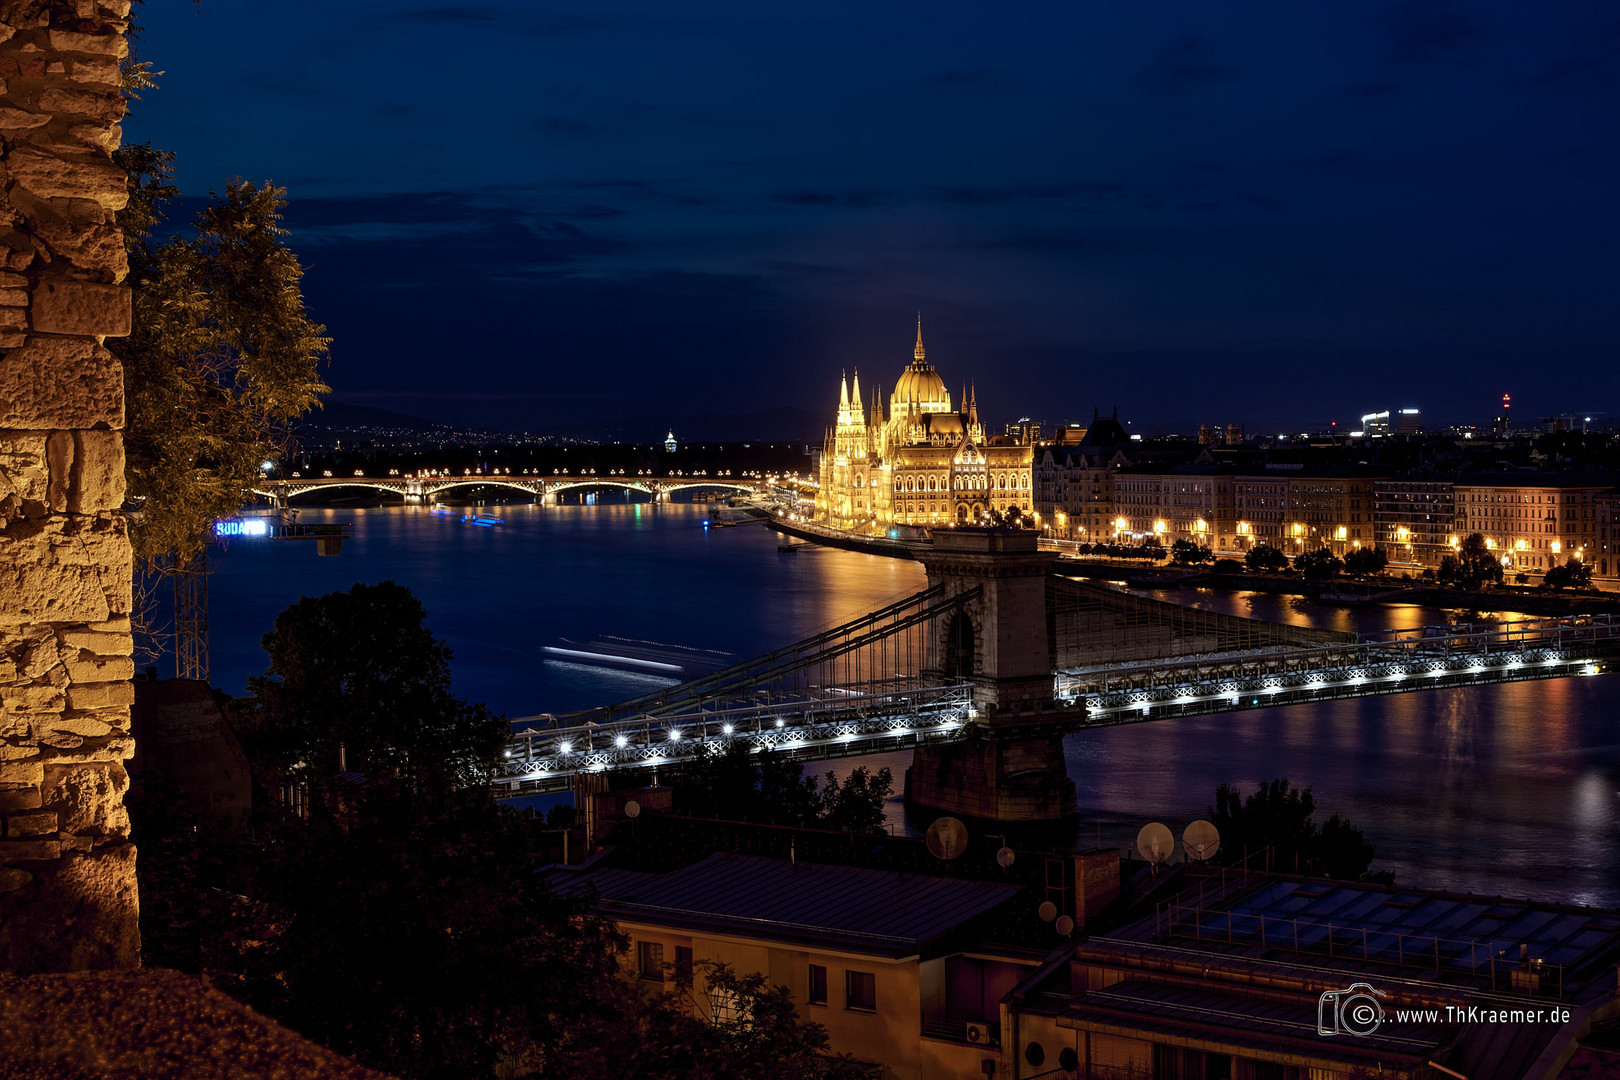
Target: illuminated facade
[(922, 462), (1535, 521)]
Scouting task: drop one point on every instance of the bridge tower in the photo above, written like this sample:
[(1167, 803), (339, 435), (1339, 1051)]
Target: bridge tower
[(1000, 642), (413, 489)]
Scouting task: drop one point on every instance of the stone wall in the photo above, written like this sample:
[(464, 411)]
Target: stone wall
[(67, 869)]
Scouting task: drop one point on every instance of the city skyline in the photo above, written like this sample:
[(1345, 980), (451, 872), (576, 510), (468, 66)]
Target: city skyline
[(1264, 210)]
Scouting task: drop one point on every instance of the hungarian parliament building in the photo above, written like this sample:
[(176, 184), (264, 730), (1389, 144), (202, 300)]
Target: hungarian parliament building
[(922, 461)]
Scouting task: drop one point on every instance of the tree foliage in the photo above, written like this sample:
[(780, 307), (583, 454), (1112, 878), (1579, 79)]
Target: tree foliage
[(1365, 561), (1265, 559), (1474, 565), (738, 785), (362, 669), (221, 356), (1187, 553), (1319, 564), (1574, 574), (1278, 815)]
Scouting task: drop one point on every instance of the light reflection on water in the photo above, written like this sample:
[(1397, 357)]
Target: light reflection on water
[(1511, 790)]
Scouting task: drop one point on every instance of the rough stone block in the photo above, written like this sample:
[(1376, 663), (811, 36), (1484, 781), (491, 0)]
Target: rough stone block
[(81, 307), (100, 695), (22, 774), (12, 879), (99, 669), (82, 914), (13, 852), (99, 751), (85, 725), (64, 570), (22, 465), (24, 826), (87, 241), (98, 472), (14, 298), (12, 752), (59, 460), (17, 120), (88, 175), (100, 642), (88, 799), (103, 70), (99, 44), (27, 798), (55, 383)]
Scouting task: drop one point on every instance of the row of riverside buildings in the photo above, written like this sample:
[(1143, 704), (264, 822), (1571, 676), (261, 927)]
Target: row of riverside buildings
[(921, 461), (1189, 973)]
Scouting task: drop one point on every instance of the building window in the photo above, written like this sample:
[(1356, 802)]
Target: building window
[(683, 961), (650, 960), (818, 985), (860, 990)]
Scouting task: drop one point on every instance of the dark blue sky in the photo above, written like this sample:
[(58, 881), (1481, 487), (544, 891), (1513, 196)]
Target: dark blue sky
[(1276, 214)]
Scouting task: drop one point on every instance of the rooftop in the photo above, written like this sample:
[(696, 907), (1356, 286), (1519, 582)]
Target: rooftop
[(857, 908)]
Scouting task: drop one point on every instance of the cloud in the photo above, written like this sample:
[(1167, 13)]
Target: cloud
[(1184, 64), (1422, 31), (1373, 89), (857, 198)]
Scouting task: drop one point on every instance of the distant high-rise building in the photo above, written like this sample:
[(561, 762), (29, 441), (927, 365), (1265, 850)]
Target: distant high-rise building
[(669, 442), (1234, 435), (1381, 425)]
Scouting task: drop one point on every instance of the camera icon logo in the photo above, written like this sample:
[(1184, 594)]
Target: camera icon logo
[(1355, 1010)]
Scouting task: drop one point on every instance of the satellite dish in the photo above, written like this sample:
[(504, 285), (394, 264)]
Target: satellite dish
[(1047, 911), (1201, 840), (947, 838), (1155, 843), (632, 809), (1005, 857), (1065, 925)]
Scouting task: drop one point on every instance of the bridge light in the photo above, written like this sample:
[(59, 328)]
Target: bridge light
[(674, 735), (725, 729), (780, 721), (566, 747), (621, 741)]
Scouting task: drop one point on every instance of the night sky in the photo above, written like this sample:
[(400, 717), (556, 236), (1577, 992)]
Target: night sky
[(542, 217)]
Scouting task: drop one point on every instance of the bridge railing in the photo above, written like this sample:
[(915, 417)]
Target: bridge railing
[(1438, 656), (825, 722)]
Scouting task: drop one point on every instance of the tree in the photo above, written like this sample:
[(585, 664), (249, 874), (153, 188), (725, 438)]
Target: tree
[(855, 805), (1574, 574), (1265, 559), (360, 668), (732, 1024), (1474, 565), (1319, 564), (771, 789), (1278, 815), (1187, 553), (1365, 561), (221, 356)]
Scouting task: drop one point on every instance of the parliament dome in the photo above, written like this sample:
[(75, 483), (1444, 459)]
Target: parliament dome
[(921, 383)]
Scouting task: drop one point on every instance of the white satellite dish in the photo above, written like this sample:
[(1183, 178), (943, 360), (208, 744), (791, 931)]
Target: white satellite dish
[(1047, 911), (1065, 925), (1201, 840), (1005, 857), (947, 838), (632, 809), (1155, 843)]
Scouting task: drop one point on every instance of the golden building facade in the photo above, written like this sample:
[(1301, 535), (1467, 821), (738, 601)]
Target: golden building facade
[(922, 461)]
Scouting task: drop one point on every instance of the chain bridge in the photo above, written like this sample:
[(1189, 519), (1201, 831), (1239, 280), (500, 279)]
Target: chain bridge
[(982, 673), (541, 488)]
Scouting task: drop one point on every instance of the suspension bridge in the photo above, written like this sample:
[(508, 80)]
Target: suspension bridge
[(982, 673)]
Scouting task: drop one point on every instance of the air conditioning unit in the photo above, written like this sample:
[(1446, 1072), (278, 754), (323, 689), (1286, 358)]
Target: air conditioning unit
[(982, 1034)]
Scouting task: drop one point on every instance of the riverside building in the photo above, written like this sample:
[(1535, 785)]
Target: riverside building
[(922, 461)]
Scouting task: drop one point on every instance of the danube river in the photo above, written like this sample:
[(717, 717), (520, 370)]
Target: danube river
[(1511, 790)]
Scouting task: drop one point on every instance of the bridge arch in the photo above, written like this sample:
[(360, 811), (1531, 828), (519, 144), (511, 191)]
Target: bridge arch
[(576, 485), (959, 647), (433, 487), (293, 490), (743, 488)]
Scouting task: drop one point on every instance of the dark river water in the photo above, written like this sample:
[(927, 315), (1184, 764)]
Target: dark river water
[(1507, 790)]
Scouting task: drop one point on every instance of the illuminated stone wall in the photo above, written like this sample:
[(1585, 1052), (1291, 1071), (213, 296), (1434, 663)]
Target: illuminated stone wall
[(67, 869)]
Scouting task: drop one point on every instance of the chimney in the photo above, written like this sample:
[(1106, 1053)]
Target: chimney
[(343, 758)]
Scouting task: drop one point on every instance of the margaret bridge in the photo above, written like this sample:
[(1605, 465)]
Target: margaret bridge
[(982, 673), (541, 488)]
